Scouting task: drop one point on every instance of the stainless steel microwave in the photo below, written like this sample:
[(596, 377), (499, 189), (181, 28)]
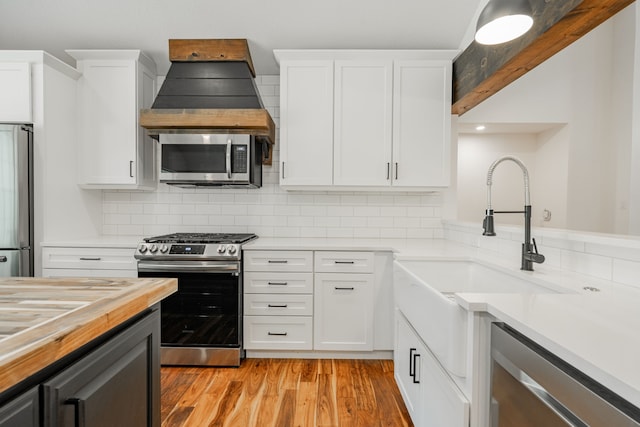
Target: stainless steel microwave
[(231, 160)]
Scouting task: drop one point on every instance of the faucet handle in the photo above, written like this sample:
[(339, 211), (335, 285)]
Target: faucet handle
[(535, 256)]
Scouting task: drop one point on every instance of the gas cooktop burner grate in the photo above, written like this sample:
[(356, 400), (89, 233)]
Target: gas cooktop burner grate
[(202, 238)]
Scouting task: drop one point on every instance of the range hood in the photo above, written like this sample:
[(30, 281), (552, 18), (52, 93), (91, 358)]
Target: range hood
[(210, 89)]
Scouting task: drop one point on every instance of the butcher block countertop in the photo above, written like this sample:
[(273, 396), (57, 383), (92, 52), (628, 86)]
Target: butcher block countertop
[(44, 319)]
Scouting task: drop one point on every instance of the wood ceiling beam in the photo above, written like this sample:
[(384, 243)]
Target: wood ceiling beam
[(480, 71)]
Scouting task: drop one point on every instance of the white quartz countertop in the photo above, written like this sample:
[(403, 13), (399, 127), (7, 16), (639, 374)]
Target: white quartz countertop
[(597, 332)]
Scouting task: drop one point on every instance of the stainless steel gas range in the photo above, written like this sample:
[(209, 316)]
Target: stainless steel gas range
[(202, 321)]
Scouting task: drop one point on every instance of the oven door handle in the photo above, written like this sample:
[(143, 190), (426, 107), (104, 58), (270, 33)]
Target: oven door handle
[(181, 268)]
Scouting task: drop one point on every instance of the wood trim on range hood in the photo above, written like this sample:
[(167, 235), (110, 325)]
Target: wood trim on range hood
[(480, 71), (254, 121)]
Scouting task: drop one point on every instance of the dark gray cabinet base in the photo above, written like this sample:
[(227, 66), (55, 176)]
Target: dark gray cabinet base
[(23, 411), (114, 383)]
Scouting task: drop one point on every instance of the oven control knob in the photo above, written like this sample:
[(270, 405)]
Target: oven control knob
[(222, 249), (164, 249), (142, 249), (153, 248), (232, 250)]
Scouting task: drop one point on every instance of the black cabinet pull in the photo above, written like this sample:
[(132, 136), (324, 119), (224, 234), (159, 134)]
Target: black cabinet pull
[(131, 168), (82, 258), (277, 283), (79, 410), (277, 334), (277, 261), (277, 305), (344, 262), (411, 367), (415, 371), (337, 288)]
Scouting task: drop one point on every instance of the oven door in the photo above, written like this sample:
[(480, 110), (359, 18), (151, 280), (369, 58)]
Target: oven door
[(206, 310), (205, 158)]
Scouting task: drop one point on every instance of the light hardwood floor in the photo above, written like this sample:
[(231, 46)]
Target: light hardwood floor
[(284, 392)]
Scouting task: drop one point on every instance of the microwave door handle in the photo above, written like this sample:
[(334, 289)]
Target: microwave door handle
[(229, 158)]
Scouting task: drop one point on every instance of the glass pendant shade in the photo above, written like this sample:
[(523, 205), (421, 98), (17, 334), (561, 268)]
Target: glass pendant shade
[(503, 20)]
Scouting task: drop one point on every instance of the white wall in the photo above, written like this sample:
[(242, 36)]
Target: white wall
[(475, 154), (545, 157), (585, 86), (270, 211)]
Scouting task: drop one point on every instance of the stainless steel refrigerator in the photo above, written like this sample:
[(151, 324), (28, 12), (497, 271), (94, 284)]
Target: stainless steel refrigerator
[(16, 200)]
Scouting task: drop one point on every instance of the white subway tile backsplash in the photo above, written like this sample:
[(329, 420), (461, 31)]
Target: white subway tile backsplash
[(393, 211), (591, 265), (591, 254), (300, 221), (169, 219), (130, 208), (195, 198), (340, 211), (182, 209), (326, 221), (366, 233), (353, 221), (194, 219), (271, 211)]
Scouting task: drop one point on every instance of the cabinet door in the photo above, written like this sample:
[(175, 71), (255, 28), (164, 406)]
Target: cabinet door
[(343, 312), (107, 122), (405, 357), (306, 123), (15, 87), (23, 411), (118, 384), (362, 123), (443, 404), (421, 123)]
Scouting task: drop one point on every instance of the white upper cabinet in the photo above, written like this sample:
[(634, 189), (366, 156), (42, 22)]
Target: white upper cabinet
[(362, 122), (421, 123), (306, 114), (15, 87), (365, 120), (113, 150)]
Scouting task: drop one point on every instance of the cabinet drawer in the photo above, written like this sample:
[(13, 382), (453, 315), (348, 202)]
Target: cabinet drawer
[(278, 304), (278, 283), (301, 261), (343, 262), (278, 332), (89, 258)]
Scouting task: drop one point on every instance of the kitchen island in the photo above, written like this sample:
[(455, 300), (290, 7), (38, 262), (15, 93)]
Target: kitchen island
[(67, 344)]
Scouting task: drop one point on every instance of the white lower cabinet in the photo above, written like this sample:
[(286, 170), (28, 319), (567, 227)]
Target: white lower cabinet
[(343, 315), (88, 262), (278, 332), (315, 300), (430, 395), (278, 300)]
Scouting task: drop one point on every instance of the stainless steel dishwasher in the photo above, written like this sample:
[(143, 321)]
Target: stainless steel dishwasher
[(532, 387)]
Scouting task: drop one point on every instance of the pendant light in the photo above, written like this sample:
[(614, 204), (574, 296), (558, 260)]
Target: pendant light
[(503, 20)]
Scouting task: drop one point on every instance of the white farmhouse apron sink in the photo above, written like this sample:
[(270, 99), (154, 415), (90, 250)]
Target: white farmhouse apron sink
[(424, 293)]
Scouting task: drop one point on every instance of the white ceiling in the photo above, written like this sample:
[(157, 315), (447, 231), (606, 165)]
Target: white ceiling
[(56, 25)]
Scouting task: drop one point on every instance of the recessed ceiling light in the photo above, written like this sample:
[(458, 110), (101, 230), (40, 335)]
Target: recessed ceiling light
[(481, 127)]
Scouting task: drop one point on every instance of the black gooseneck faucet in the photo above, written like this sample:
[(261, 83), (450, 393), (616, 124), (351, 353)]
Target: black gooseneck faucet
[(529, 251)]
